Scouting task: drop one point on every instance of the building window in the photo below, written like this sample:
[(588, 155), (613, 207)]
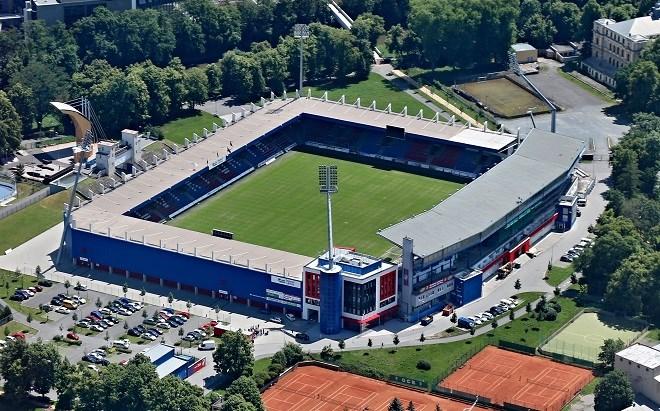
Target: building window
[(359, 299)]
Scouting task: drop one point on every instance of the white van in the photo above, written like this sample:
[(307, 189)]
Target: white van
[(125, 344), (207, 345)]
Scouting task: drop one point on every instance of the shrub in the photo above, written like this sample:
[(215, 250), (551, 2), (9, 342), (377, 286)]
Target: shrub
[(550, 314), (275, 369), (423, 365), (156, 132), (261, 378), (58, 338)]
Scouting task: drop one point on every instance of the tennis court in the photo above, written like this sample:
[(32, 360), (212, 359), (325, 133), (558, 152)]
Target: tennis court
[(584, 336), (313, 388), (504, 98), (508, 377)]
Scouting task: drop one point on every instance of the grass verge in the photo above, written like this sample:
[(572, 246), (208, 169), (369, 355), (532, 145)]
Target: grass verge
[(192, 122), (558, 275), (14, 326), (31, 221), (9, 283)]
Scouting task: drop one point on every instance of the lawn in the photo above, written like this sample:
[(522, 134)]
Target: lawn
[(31, 221), (279, 206), (585, 335), (558, 275), (653, 334), (14, 326), (184, 127), (26, 188), (9, 283), (504, 98), (444, 357), (376, 88)]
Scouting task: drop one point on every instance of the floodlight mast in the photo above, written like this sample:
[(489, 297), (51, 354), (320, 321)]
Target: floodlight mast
[(301, 31), (515, 67), (328, 185), (85, 146)]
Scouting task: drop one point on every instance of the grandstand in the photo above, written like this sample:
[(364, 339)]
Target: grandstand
[(119, 232)]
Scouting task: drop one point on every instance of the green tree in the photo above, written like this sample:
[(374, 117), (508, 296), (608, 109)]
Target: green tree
[(246, 388), (538, 31), (174, 394), (48, 83), (613, 392), (242, 77), (220, 25), (233, 355), (170, 298), (517, 285), (67, 379), (273, 65), (566, 18), (422, 338), (197, 87), (67, 285), (190, 43), (608, 351), (368, 27), (237, 403), (395, 340), (293, 353), (214, 79), (155, 80), (395, 405), (22, 99), (98, 302), (341, 344), (10, 126), (410, 407), (591, 11)]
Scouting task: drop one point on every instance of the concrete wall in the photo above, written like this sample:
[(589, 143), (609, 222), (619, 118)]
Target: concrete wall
[(642, 378)]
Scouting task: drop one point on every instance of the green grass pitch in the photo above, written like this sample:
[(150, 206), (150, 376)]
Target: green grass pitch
[(279, 206)]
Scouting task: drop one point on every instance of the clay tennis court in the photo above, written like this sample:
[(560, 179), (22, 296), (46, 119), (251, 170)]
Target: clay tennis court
[(533, 382), (313, 388)]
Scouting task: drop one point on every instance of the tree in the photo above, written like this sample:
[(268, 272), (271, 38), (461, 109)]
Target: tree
[(453, 317), (512, 315), (10, 126), (608, 351), (566, 18), (233, 355), (341, 344), (220, 25), (538, 31), (19, 172), (327, 353), (29, 318), (214, 79), (170, 298), (236, 403), (242, 77), (494, 324), (613, 392), (48, 83), (126, 327), (473, 330), (144, 314), (246, 388), (591, 11), (143, 292), (98, 302), (155, 79), (181, 332), (395, 340), (292, 353), (172, 393), (22, 99), (368, 27), (410, 407), (37, 272), (517, 284), (67, 285), (395, 405), (370, 343), (28, 367), (422, 338), (197, 87)]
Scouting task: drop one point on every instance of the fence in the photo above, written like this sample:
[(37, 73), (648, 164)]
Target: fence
[(509, 345), (459, 362), (25, 202)]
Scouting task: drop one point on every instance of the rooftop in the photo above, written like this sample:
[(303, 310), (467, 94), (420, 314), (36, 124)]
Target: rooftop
[(157, 352), (462, 218), (640, 28), (169, 366), (648, 357), (522, 47)]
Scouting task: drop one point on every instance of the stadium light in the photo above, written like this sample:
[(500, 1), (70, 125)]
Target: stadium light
[(515, 67), (301, 31), (328, 184)]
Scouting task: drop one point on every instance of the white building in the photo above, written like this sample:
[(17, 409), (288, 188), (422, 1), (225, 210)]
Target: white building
[(642, 366)]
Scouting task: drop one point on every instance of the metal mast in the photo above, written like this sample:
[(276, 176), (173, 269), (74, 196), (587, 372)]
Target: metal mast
[(515, 67), (301, 31), (328, 185)]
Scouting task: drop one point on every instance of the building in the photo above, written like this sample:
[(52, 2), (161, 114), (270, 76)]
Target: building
[(642, 366), (69, 11), (126, 154), (447, 252), (616, 45), (359, 291), (167, 362), (525, 53)]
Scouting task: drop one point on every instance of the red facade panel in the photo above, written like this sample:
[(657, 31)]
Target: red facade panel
[(312, 285), (387, 285)]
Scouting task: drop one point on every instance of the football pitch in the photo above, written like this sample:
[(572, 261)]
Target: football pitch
[(504, 98), (279, 206)]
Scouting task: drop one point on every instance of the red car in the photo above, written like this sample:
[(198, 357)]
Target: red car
[(183, 314), (18, 335), (73, 336)]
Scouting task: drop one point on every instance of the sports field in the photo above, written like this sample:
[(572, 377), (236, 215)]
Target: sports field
[(313, 388), (279, 206), (585, 335), (504, 98), (508, 377)]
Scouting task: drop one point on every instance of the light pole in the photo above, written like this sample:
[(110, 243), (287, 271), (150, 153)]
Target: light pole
[(301, 31), (328, 185), (515, 67)]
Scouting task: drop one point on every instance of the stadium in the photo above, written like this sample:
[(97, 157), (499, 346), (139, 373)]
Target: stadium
[(515, 194)]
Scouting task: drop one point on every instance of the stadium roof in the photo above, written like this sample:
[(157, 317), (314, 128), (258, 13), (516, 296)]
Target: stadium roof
[(472, 212), (104, 214), (641, 354)]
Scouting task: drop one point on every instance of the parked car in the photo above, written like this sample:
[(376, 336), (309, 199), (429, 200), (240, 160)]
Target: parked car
[(33, 290), (82, 324), (80, 287), (291, 317), (148, 336), (155, 331), (183, 314), (73, 336), (427, 320), (45, 283), (78, 299), (62, 310), (18, 297), (464, 322), (488, 316), (96, 327), (121, 343), (163, 325), (189, 337), (173, 324), (207, 345), (302, 337), (150, 321), (141, 328), (133, 332), (276, 319), (566, 258)]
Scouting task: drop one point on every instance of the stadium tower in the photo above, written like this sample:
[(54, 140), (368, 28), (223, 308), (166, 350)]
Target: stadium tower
[(331, 284)]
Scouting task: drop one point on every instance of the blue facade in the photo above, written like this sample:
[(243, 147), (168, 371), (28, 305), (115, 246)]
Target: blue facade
[(331, 309), (467, 288), (187, 269)]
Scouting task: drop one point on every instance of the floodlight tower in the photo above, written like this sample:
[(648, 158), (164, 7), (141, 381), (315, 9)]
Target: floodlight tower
[(328, 185), (301, 31), (515, 67), (79, 151)]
